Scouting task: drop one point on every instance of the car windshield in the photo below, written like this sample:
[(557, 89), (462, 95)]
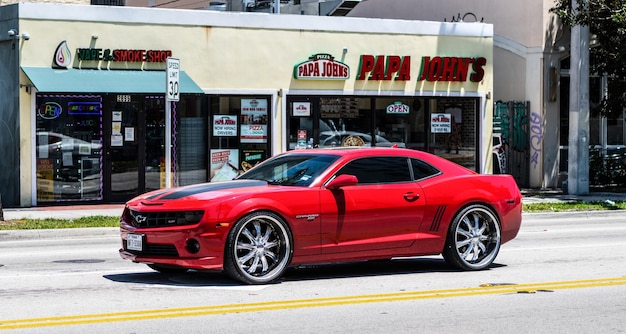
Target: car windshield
[(291, 169)]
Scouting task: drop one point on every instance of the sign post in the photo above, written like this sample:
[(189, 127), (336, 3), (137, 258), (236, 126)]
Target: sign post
[(172, 94)]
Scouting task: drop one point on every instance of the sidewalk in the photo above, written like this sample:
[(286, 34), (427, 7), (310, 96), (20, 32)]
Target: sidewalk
[(77, 211), (64, 212), (531, 196)]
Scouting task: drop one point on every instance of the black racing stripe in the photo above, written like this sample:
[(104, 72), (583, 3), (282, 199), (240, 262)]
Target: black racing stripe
[(206, 187), (157, 194)]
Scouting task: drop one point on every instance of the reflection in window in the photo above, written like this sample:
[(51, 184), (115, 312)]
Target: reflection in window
[(345, 122), (69, 145), (378, 170), (453, 131), (292, 170)]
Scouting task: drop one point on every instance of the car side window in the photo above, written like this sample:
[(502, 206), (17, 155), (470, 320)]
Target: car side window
[(422, 170), (378, 170)]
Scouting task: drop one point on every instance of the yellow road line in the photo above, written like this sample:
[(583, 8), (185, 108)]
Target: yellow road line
[(485, 289)]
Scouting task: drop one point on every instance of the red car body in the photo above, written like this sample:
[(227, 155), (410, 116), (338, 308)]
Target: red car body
[(333, 218)]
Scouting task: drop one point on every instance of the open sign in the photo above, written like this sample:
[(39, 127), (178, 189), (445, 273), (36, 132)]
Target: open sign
[(398, 108)]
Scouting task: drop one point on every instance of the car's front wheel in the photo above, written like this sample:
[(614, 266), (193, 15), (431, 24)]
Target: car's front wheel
[(473, 239), (258, 249)]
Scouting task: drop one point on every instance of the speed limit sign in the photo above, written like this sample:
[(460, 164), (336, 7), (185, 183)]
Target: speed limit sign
[(172, 79)]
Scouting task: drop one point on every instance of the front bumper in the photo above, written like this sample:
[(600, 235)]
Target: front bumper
[(169, 246)]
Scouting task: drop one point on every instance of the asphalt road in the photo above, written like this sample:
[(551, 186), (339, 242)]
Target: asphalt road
[(565, 273)]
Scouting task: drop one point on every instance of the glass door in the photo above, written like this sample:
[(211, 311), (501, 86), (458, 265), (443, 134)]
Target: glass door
[(124, 124), (155, 143)]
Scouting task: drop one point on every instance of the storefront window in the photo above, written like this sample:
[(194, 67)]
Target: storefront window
[(445, 127), (453, 131), (69, 147), (346, 122), (400, 121), (239, 134), (301, 123), (191, 141)]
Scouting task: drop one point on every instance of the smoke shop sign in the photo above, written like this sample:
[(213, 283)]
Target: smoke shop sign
[(63, 55), (321, 66), (451, 69), (123, 55)]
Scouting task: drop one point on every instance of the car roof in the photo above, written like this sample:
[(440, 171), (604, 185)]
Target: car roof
[(360, 151), (351, 152)]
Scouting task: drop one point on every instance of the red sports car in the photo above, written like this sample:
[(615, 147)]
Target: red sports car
[(322, 206)]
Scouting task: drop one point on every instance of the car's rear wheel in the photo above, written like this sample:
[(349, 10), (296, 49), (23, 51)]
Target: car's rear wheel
[(473, 239), (258, 249), (167, 269)]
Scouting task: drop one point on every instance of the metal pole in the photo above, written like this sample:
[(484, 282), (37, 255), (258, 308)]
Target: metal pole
[(578, 141), (168, 144), (276, 6), (1, 210)]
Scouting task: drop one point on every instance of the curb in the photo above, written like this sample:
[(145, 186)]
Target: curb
[(59, 234), (609, 214)]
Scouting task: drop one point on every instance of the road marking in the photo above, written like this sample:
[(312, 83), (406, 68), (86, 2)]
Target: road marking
[(484, 289)]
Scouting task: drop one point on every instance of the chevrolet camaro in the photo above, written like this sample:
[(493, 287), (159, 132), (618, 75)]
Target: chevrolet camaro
[(325, 206)]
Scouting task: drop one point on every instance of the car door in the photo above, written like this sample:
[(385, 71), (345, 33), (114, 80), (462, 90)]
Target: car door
[(383, 211)]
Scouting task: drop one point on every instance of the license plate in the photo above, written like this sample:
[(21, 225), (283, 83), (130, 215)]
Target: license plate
[(134, 242)]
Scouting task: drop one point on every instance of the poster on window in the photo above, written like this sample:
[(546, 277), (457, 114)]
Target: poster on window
[(253, 121), (302, 109), (224, 165), (225, 125), (440, 123), (251, 158)]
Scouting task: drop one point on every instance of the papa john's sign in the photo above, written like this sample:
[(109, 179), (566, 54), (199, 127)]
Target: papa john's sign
[(321, 66), (453, 69)]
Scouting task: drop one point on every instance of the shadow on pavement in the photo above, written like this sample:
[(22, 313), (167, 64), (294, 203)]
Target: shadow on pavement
[(399, 266)]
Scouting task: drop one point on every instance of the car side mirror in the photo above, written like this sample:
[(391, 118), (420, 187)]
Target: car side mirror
[(342, 180)]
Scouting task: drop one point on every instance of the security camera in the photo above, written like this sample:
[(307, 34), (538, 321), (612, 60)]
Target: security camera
[(12, 32), (26, 36)]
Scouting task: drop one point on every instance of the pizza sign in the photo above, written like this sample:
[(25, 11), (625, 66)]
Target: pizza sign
[(225, 125), (440, 123), (322, 66)]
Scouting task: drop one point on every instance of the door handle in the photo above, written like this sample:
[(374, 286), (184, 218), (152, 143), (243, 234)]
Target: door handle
[(411, 197)]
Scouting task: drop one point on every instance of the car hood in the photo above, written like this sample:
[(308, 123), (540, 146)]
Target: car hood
[(203, 191)]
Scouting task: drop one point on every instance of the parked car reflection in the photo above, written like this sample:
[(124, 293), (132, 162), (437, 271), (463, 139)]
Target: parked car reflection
[(353, 138), (69, 168), (50, 142)]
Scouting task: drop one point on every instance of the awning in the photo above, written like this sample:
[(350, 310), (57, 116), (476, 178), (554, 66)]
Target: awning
[(49, 80)]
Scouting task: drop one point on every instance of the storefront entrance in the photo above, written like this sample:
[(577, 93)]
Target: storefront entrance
[(134, 145), (99, 147), (134, 130)]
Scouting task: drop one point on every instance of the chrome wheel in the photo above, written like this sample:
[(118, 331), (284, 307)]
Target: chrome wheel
[(259, 249), (474, 239)]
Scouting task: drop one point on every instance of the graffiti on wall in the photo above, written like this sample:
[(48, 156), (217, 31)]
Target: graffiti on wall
[(536, 138), (511, 140)]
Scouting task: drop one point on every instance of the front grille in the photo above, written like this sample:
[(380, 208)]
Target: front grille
[(165, 219), (156, 250)]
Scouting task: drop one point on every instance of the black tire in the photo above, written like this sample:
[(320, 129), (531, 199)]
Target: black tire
[(167, 269), (258, 249), (474, 238)]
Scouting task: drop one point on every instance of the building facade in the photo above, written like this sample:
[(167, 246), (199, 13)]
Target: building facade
[(531, 65), (85, 94)]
